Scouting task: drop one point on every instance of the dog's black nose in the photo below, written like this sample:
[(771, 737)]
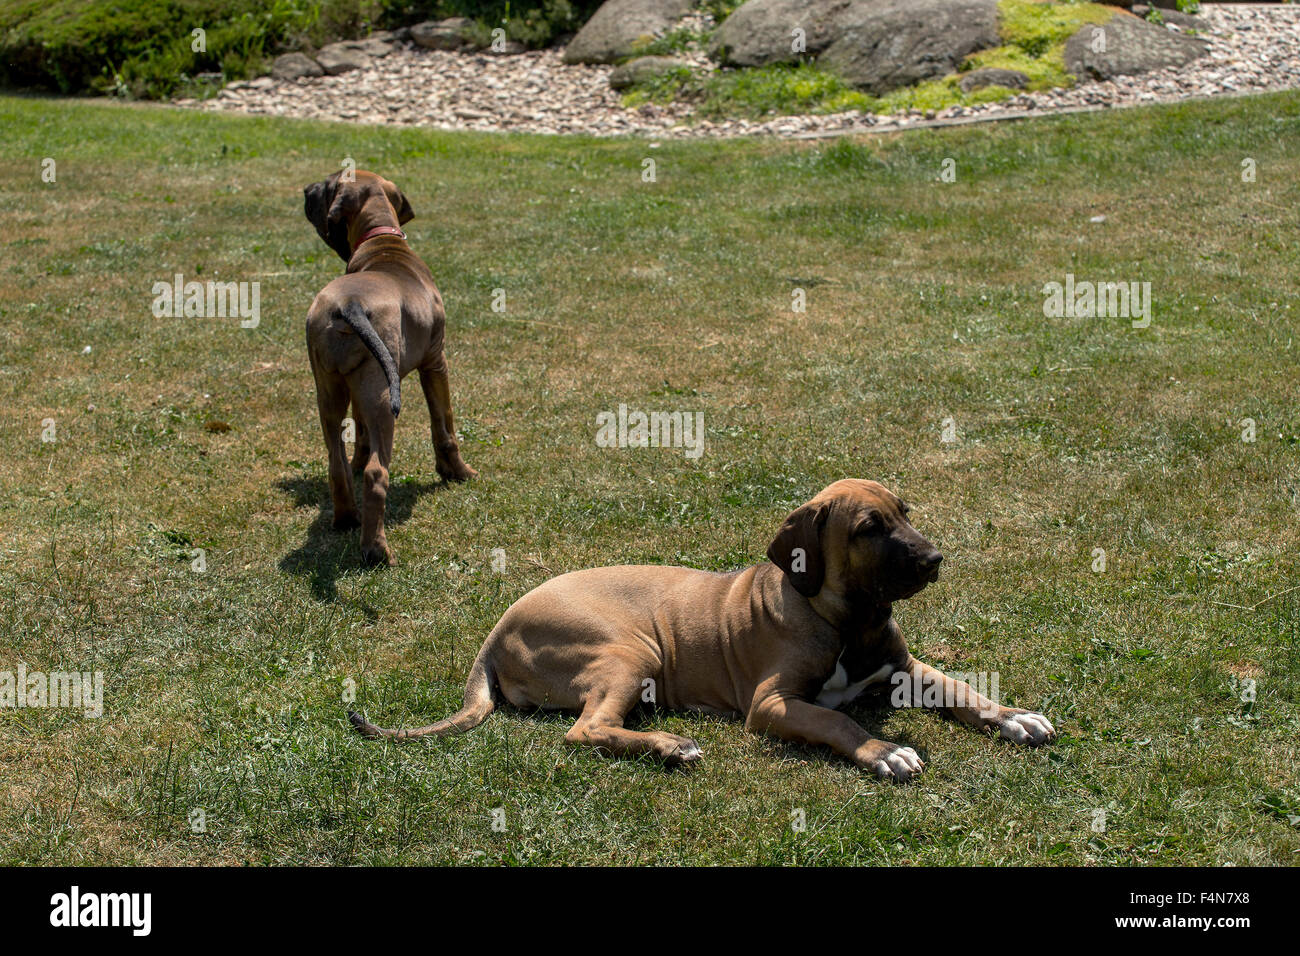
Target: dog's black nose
[(931, 560)]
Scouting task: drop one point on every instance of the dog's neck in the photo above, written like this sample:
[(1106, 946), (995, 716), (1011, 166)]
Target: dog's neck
[(376, 218), (850, 616)]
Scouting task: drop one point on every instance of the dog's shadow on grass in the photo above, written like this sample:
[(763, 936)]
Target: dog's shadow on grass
[(326, 554)]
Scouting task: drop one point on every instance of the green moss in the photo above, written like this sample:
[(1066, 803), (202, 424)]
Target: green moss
[(803, 88), (1042, 28), (665, 88), (1035, 35), (937, 94), (1044, 72), (779, 89)]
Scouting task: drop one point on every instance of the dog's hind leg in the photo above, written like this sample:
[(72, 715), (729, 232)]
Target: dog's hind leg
[(601, 726), (437, 392), (370, 399), (332, 403), (361, 451)]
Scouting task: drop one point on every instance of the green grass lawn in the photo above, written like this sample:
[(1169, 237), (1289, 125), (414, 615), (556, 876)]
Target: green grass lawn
[(224, 689)]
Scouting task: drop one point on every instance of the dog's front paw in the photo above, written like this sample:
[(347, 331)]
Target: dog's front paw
[(1025, 727), (890, 761), (688, 751)]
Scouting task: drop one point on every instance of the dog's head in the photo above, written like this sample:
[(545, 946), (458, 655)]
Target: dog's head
[(855, 541), (333, 203)]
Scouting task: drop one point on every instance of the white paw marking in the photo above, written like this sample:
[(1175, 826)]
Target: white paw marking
[(690, 751), (1030, 729), (901, 764)]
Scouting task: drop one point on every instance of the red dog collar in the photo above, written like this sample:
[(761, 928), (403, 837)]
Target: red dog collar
[(379, 231)]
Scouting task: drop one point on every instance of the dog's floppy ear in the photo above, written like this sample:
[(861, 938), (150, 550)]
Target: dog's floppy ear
[(324, 211), (797, 548), (398, 198)]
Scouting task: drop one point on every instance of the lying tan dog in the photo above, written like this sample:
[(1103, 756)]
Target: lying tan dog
[(365, 331), (781, 643)]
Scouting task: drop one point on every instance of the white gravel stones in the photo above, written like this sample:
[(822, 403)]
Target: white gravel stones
[(1251, 49)]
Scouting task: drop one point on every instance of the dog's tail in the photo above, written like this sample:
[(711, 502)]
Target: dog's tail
[(478, 703), (354, 314)]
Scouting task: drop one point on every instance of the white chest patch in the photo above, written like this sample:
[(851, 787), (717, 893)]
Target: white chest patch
[(838, 691)]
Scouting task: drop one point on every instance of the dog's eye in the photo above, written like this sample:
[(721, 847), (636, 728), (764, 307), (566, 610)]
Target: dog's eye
[(907, 509), (867, 526)]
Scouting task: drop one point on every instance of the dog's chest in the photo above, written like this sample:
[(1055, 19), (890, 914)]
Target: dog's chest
[(841, 688)]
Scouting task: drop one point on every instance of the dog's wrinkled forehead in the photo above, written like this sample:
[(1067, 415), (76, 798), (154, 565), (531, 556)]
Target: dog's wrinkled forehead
[(853, 496)]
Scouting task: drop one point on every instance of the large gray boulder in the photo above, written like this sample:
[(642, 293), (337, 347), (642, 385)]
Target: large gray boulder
[(1127, 46), (876, 45), (615, 30), (762, 31)]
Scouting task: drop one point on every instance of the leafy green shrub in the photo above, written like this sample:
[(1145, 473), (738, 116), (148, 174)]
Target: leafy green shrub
[(535, 27), (721, 9), (145, 47), (672, 42)]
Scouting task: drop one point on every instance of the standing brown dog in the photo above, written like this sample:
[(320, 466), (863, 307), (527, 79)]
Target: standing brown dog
[(365, 331), (782, 644)]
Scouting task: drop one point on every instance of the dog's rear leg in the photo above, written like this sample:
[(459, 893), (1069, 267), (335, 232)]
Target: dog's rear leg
[(332, 403), (601, 726), (437, 392), (370, 398), (361, 451)]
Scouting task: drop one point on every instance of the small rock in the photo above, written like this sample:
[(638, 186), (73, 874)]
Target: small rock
[(1179, 18), (449, 34), (992, 76), (336, 58), (376, 46), (644, 68), (293, 66)]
